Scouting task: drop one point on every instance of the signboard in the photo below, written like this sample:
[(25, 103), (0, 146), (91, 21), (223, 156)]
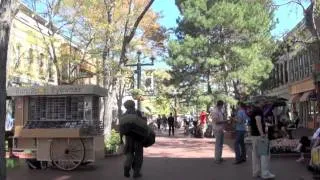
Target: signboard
[(56, 90)]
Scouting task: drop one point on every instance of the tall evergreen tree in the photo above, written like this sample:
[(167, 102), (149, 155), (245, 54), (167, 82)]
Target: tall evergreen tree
[(222, 45)]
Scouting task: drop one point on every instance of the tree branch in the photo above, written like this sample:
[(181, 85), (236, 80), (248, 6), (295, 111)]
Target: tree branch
[(127, 39)]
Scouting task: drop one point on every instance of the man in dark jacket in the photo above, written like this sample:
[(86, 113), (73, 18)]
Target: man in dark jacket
[(171, 124), (133, 149)]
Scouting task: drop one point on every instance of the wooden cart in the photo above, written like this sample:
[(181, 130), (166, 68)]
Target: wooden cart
[(60, 124)]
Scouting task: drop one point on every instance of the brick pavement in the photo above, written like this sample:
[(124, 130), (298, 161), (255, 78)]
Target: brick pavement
[(174, 158)]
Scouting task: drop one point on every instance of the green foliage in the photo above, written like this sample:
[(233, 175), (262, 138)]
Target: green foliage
[(112, 142), (221, 44)]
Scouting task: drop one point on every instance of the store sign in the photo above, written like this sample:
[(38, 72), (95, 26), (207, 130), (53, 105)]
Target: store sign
[(54, 90)]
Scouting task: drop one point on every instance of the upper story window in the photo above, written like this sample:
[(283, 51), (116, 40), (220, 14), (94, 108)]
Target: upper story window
[(300, 66), (296, 68), (306, 64), (30, 56), (286, 72), (291, 71), (281, 74)]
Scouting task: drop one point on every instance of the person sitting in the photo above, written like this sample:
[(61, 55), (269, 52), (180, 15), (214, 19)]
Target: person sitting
[(305, 142)]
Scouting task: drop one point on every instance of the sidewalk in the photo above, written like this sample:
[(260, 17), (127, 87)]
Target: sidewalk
[(171, 158)]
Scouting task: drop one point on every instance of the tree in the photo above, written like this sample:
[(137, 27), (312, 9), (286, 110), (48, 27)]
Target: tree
[(115, 25), (221, 47), (7, 12)]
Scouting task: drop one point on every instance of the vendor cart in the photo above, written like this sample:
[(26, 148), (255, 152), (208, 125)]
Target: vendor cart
[(58, 124)]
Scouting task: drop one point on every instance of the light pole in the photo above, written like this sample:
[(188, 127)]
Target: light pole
[(139, 71), (175, 93)]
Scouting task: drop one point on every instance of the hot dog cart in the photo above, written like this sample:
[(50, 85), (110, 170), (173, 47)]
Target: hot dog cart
[(59, 124)]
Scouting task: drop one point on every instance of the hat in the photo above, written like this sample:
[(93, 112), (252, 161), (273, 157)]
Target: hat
[(129, 104)]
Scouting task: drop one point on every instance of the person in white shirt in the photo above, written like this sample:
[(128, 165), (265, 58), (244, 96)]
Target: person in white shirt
[(218, 123)]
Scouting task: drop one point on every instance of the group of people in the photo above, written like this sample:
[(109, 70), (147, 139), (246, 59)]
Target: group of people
[(165, 122), (255, 118)]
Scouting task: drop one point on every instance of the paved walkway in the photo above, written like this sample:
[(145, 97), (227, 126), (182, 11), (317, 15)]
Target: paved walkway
[(174, 158)]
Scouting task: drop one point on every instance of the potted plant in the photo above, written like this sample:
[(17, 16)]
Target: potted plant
[(112, 144)]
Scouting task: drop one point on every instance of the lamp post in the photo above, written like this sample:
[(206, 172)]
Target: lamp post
[(175, 93), (139, 71)]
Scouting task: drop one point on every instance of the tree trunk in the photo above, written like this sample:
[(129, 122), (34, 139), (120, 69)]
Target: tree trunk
[(5, 24)]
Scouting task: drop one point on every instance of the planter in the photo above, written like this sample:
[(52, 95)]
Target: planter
[(117, 152)]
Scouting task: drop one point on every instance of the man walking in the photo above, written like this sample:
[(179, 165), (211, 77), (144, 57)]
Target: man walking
[(171, 124), (260, 163), (218, 128), (159, 122), (133, 149), (239, 145)]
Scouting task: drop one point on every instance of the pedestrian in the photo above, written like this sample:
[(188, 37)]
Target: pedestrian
[(218, 128), (260, 162), (171, 124), (239, 145), (203, 122), (159, 122), (164, 122), (133, 149), (9, 129)]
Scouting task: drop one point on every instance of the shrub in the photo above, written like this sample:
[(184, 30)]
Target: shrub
[(112, 143)]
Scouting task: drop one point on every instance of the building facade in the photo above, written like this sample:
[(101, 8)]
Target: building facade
[(293, 77), (29, 62)]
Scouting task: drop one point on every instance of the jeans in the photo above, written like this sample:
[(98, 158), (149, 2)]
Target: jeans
[(260, 164), (219, 135), (171, 129), (134, 155), (239, 146)]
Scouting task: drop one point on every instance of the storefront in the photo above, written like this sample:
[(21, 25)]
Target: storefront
[(301, 101)]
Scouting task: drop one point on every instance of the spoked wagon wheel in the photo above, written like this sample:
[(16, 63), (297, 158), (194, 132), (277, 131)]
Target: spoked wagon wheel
[(67, 154)]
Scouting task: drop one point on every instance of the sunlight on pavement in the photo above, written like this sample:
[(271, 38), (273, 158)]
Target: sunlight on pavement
[(185, 147)]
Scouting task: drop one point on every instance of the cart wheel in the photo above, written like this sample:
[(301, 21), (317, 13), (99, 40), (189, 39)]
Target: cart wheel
[(67, 154)]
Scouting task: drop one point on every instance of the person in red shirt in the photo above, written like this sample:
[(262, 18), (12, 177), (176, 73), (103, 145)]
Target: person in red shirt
[(203, 117), (203, 121)]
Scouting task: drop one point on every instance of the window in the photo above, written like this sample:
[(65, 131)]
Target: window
[(30, 56), (50, 63), (291, 71), (300, 67), (311, 60), (286, 72), (306, 64), (277, 75), (281, 73), (295, 65)]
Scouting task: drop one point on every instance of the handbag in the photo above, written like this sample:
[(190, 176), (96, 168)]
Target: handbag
[(263, 145)]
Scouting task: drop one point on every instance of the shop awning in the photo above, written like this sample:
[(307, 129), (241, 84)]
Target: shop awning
[(305, 96), (294, 98)]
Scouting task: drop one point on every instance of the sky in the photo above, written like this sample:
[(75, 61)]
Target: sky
[(287, 15)]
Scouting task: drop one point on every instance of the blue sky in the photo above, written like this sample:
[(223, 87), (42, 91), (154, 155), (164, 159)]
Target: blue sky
[(288, 15)]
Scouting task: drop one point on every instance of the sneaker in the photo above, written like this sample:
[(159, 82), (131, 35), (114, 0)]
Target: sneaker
[(268, 176), (301, 159), (137, 175), (238, 162), (126, 172)]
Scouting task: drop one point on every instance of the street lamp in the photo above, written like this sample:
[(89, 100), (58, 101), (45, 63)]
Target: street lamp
[(175, 93), (139, 70)]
